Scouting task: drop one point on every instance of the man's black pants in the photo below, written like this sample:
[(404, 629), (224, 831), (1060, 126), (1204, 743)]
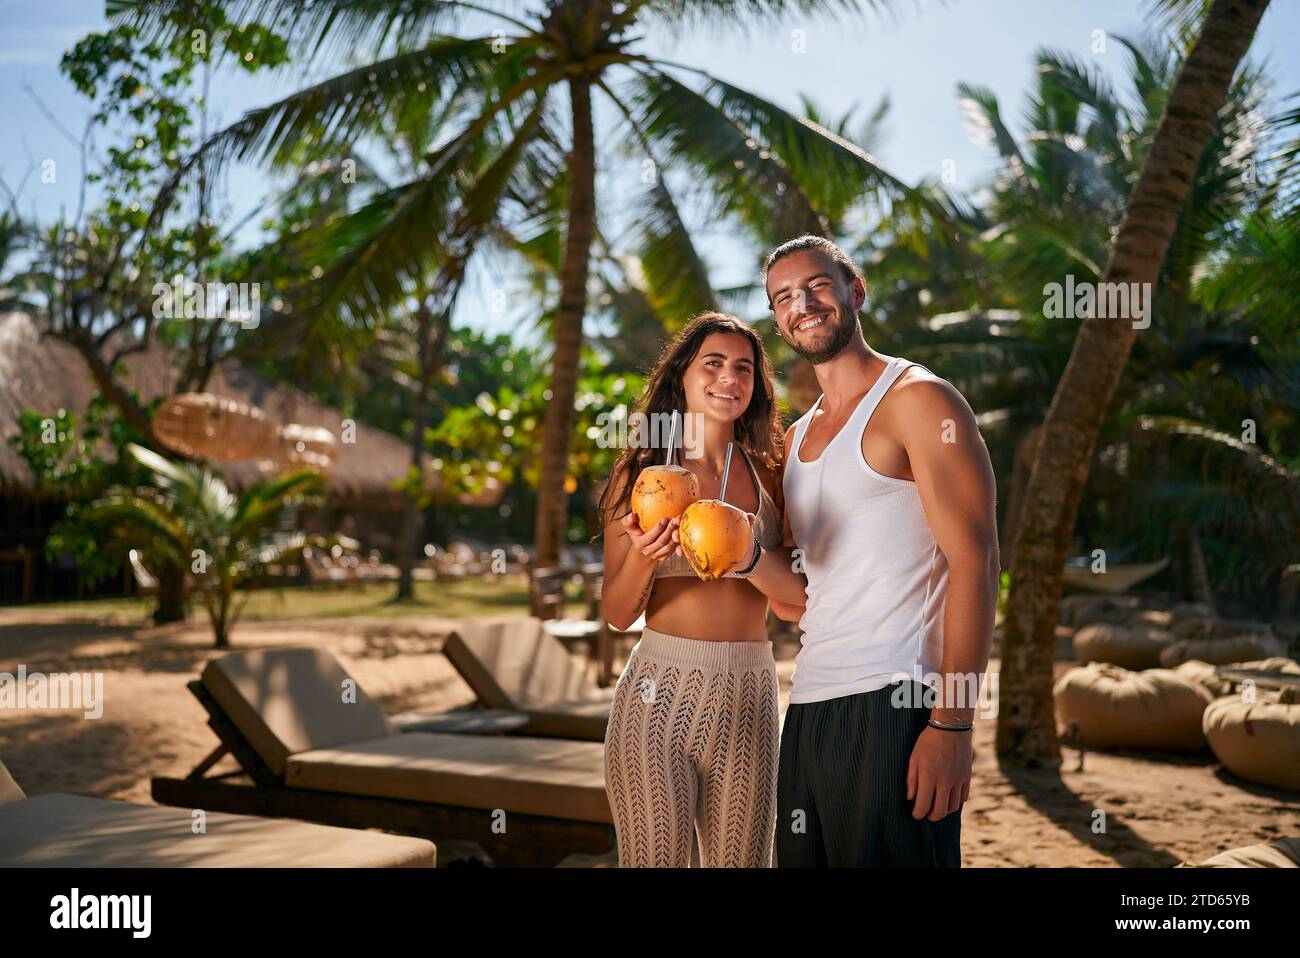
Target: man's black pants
[(842, 787)]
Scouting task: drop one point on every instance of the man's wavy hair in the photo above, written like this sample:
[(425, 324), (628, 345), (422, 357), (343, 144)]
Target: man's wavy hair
[(758, 429), (806, 242)]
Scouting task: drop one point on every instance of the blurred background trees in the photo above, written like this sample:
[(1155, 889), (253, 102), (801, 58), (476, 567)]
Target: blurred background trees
[(441, 158)]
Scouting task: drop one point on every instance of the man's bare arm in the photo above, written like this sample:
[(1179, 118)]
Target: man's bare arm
[(954, 477)]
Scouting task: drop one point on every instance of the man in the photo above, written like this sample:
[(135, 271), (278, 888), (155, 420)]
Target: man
[(889, 499)]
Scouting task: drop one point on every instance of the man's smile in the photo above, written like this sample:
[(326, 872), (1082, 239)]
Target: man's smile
[(812, 322)]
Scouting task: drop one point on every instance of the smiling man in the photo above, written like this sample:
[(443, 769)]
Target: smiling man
[(889, 498)]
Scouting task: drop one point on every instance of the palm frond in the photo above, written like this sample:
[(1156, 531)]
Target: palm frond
[(681, 17), (676, 278), (1262, 466), (315, 29), (984, 124), (387, 246), (749, 181), (833, 171), (142, 519), (344, 107)]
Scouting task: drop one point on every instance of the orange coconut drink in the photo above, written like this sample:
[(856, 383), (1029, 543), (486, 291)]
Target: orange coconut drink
[(713, 534), (663, 492)]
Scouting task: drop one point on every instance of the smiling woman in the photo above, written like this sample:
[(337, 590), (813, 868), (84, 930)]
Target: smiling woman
[(706, 641)]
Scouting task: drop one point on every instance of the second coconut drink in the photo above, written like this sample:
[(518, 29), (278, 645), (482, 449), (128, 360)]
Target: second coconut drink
[(713, 534)]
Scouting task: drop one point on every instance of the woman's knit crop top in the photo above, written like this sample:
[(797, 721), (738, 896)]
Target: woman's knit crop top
[(767, 522)]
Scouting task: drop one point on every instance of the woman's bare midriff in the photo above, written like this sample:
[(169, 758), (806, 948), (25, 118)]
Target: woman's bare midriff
[(724, 610)]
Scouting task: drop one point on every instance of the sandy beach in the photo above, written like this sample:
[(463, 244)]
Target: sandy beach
[(1160, 808)]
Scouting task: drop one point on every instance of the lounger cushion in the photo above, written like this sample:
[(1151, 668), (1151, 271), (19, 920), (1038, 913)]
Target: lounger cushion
[(514, 664), (72, 831), (531, 776), (9, 790), (585, 719), (286, 701)]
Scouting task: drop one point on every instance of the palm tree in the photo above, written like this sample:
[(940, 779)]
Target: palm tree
[(764, 168), (192, 519), (1026, 725), (1059, 193)]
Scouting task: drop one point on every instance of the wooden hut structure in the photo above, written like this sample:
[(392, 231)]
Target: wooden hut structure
[(45, 375)]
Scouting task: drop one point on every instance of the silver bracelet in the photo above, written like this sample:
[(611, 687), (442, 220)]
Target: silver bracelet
[(935, 723)]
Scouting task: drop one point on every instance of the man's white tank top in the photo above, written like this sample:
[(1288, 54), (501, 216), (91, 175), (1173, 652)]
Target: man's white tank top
[(876, 579)]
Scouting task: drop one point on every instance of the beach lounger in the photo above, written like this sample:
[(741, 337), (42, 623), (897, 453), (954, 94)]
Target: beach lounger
[(72, 831), (316, 747), (513, 665)]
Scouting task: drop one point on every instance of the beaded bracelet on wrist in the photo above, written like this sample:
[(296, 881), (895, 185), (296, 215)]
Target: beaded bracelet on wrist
[(753, 563), (933, 723)]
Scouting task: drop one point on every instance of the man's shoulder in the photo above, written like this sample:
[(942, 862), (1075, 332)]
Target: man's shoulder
[(919, 391)]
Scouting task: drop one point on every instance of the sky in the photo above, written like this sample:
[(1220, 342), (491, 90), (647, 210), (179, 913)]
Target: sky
[(916, 55)]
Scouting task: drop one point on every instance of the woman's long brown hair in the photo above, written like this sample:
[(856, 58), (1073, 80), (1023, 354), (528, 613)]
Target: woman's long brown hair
[(758, 429)]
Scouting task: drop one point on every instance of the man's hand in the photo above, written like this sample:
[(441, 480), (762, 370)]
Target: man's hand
[(938, 773)]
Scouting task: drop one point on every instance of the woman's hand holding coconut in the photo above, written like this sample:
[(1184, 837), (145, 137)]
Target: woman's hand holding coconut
[(655, 545)]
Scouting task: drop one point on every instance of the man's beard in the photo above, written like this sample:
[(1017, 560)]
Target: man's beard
[(840, 337)]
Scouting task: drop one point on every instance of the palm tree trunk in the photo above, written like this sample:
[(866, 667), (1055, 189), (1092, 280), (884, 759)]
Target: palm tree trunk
[(171, 593), (1198, 572), (1021, 465), (433, 331), (1026, 725), (558, 428), (409, 533)]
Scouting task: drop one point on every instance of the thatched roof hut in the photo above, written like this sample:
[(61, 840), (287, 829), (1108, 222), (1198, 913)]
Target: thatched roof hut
[(47, 374)]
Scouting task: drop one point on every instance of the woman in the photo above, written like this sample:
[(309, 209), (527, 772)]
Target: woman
[(693, 733)]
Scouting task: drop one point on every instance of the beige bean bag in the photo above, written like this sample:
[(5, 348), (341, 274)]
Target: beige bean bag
[(1156, 618), (1238, 648), (1258, 741), (1116, 708), (1130, 647), (1280, 853), (1208, 627), (1205, 674), (1190, 610)]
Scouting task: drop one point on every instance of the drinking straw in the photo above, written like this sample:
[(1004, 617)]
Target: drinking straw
[(672, 439), (726, 468)]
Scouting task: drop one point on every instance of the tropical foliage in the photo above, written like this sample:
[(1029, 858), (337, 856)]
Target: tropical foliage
[(505, 157), (189, 515)]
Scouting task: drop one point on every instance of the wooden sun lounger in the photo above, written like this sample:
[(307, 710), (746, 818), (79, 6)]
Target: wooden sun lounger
[(514, 665), (305, 753), (72, 831)]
